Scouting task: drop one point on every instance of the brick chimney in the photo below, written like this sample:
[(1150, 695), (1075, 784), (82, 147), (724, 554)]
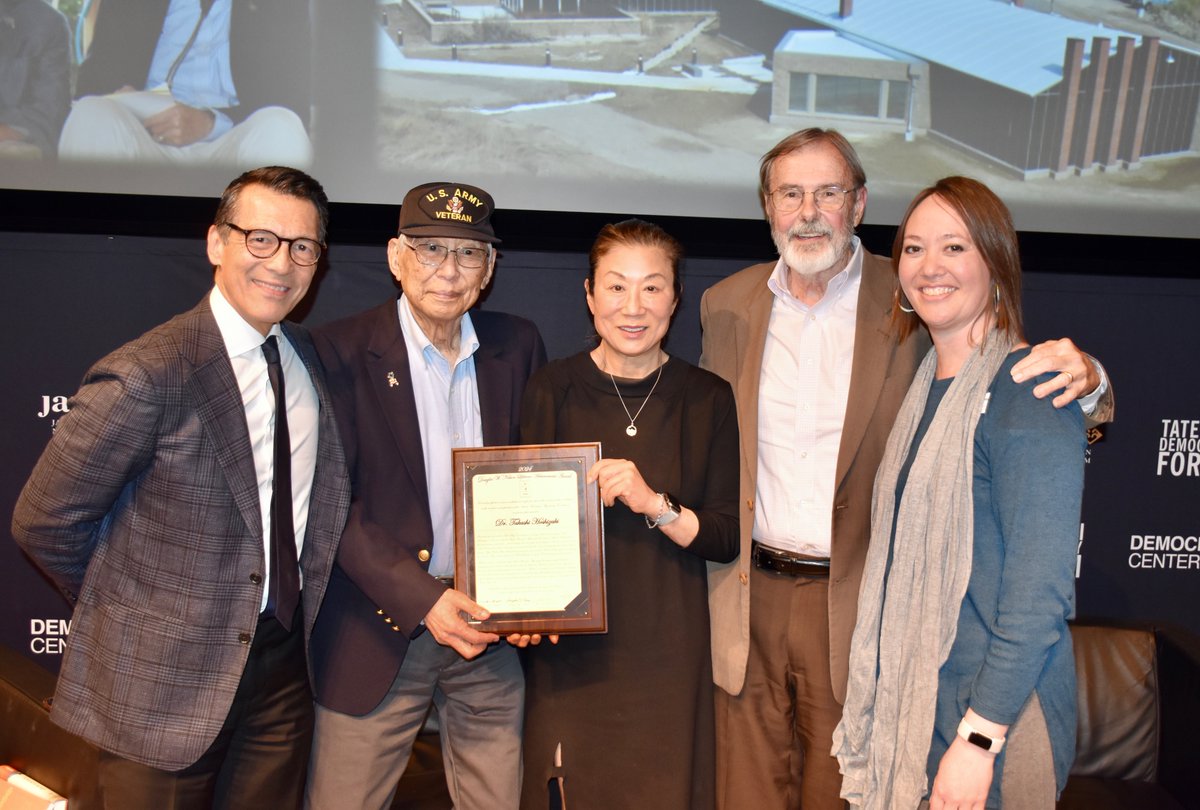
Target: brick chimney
[(845, 8)]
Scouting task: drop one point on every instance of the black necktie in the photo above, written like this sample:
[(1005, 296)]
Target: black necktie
[(284, 593)]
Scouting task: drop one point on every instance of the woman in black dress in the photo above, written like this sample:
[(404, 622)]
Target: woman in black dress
[(625, 719)]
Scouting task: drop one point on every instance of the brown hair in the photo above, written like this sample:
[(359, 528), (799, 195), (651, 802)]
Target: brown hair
[(637, 233), (282, 180), (990, 226), (805, 138)]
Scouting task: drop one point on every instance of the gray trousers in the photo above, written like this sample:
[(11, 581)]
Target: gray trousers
[(357, 761)]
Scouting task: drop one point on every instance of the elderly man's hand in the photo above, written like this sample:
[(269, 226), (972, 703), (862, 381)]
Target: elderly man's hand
[(445, 620), (180, 125), (1076, 373)]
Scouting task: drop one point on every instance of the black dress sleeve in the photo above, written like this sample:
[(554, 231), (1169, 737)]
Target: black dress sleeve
[(711, 422), (539, 406)]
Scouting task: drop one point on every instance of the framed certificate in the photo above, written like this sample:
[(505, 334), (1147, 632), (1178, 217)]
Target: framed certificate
[(529, 537)]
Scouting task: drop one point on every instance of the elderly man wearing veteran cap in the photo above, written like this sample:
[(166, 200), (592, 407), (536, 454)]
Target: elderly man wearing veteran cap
[(412, 379)]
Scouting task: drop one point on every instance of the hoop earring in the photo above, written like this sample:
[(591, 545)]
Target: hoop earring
[(905, 306), (996, 289)]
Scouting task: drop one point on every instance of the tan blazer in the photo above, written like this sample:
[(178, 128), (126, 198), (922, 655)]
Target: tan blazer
[(734, 315)]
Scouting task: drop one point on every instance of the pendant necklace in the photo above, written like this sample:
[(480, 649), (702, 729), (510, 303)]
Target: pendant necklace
[(632, 429)]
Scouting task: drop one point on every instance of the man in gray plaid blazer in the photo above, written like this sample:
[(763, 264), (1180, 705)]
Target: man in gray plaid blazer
[(152, 506)]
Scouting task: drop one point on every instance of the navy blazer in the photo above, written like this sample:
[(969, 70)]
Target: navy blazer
[(145, 505), (380, 590)]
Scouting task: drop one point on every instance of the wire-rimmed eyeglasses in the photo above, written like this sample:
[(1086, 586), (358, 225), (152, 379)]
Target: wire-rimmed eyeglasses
[(264, 244), (787, 199), (431, 254)]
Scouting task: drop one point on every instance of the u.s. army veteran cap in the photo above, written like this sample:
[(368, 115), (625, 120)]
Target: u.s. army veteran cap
[(454, 210)]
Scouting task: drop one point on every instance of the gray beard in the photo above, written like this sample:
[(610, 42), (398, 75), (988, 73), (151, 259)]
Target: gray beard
[(809, 261)]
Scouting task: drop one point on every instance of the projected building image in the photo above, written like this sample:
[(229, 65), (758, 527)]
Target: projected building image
[(677, 100)]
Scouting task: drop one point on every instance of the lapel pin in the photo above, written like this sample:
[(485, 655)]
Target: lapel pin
[(392, 381)]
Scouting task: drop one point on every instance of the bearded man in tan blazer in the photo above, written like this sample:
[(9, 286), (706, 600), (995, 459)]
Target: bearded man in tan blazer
[(819, 376)]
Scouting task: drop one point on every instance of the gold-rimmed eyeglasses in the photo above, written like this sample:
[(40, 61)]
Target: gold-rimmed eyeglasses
[(787, 199)]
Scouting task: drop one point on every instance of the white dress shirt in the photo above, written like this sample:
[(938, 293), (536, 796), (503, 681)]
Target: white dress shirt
[(448, 412), (803, 390), (243, 343)]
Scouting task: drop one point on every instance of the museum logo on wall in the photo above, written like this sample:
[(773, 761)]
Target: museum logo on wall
[(48, 636), (1179, 449), (1171, 547), (1178, 552), (52, 407)]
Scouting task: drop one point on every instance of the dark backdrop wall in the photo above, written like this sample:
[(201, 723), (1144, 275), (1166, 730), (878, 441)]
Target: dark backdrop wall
[(85, 273)]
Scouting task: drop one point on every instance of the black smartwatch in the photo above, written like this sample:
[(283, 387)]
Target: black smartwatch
[(968, 733)]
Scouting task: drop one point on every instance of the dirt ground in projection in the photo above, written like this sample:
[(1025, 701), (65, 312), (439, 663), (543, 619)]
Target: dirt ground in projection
[(714, 138)]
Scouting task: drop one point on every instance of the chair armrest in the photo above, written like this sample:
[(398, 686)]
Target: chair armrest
[(1179, 706), (35, 746)]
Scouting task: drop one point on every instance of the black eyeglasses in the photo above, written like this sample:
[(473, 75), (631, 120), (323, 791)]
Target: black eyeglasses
[(264, 244)]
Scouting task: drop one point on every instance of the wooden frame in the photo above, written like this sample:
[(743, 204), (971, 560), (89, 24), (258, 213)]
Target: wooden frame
[(529, 537)]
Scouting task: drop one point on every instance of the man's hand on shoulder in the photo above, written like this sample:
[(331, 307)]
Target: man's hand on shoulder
[(1075, 372), (446, 620)]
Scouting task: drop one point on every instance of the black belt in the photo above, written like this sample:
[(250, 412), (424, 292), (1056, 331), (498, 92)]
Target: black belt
[(785, 562)]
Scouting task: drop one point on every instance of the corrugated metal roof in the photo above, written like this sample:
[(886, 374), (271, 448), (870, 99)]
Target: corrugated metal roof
[(829, 43), (1008, 45)]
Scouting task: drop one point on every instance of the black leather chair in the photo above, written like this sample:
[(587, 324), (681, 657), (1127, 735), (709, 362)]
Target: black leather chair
[(1139, 728), (32, 744), (1139, 719), (66, 763)]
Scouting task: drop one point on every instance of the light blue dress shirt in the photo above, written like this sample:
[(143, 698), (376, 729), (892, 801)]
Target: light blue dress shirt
[(448, 411), (204, 78)]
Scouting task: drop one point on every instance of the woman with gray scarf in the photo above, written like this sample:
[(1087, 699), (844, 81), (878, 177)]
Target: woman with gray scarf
[(962, 681)]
